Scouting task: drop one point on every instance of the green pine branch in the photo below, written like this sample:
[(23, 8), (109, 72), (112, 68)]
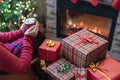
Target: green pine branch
[(12, 10)]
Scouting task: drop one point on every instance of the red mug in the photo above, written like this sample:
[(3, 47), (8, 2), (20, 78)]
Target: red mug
[(28, 25)]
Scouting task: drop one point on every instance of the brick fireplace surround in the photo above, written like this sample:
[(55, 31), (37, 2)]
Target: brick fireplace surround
[(51, 27)]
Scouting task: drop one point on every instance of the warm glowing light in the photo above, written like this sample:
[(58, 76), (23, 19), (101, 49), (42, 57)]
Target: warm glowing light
[(69, 22), (81, 23), (77, 27), (74, 25), (94, 29)]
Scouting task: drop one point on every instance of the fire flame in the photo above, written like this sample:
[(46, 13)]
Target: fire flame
[(94, 29), (97, 30)]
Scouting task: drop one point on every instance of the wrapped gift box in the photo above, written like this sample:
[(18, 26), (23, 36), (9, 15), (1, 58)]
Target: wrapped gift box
[(80, 73), (66, 75), (108, 69), (83, 47), (50, 52)]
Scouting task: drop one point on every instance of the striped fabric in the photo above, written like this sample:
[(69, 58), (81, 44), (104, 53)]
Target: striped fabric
[(84, 53), (66, 75)]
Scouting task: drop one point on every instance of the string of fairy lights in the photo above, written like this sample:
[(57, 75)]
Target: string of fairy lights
[(8, 10)]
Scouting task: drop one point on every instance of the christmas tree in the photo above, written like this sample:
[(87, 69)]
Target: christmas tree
[(14, 11)]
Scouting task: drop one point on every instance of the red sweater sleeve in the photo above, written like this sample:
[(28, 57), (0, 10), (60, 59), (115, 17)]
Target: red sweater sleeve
[(13, 64), (10, 36)]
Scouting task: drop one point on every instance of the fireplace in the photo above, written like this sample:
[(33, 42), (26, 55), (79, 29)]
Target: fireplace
[(71, 18)]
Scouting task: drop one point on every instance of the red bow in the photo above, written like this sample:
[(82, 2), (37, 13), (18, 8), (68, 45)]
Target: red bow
[(74, 1), (84, 39), (77, 75), (87, 38)]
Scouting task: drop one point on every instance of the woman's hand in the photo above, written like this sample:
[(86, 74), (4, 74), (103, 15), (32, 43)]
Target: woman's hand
[(22, 27), (33, 30)]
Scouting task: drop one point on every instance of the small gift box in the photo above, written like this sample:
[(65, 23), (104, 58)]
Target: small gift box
[(50, 50), (83, 47), (107, 69), (61, 70), (80, 73)]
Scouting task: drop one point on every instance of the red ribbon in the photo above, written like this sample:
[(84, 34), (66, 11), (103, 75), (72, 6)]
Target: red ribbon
[(84, 39), (87, 38), (77, 75)]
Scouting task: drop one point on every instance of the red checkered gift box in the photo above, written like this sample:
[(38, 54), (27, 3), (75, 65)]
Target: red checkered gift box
[(83, 47), (66, 75), (80, 73), (50, 50)]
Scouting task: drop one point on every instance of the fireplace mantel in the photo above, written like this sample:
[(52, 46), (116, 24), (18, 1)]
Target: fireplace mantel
[(105, 2), (86, 7), (52, 14)]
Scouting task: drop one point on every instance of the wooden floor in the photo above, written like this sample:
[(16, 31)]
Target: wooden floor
[(30, 76)]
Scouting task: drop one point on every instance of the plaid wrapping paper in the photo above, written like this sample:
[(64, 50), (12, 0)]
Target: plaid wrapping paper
[(80, 73), (84, 53), (15, 46), (66, 75)]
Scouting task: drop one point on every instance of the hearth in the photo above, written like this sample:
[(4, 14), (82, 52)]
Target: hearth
[(71, 18)]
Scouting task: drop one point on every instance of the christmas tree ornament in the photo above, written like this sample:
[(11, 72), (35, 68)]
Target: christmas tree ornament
[(1, 0), (10, 25), (19, 22), (94, 2), (116, 4), (35, 15)]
